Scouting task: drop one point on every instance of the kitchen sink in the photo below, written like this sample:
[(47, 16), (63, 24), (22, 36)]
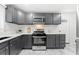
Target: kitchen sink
[(2, 38)]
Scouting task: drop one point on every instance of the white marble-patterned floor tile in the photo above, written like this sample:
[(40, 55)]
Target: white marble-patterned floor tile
[(48, 52), (68, 50)]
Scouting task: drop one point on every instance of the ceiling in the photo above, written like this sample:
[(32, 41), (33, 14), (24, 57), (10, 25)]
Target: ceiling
[(46, 7)]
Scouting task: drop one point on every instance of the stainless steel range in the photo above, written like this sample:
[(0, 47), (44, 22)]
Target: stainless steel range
[(39, 40)]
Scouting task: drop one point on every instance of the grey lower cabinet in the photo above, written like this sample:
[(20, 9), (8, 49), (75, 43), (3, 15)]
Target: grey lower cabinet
[(4, 49), (77, 46), (50, 41), (55, 41), (15, 46), (62, 40), (28, 41)]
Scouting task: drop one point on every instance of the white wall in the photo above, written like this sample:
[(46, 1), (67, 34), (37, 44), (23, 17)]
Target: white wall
[(69, 27), (2, 18)]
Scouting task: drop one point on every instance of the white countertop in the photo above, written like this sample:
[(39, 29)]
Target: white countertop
[(15, 35), (11, 36)]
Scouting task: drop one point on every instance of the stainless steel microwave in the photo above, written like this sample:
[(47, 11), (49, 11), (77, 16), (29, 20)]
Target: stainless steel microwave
[(38, 19)]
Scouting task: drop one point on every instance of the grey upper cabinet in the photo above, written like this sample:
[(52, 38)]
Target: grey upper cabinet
[(28, 19), (14, 17), (56, 18), (20, 18), (17, 16), (9, 14), (48, 20)]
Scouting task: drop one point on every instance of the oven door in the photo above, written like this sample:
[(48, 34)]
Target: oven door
[(39, 41)]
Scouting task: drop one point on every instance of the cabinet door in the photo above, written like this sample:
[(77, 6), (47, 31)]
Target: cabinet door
[(17, 44), (25, 37), (77, 46), (50, 41), (28, 19), (14, 17), (7, 50), (62, 40), (48, 20), (4, 48), (13, 50), (2, 51), (9, 14), (22, 42), (56, 17), (14, 46), (57, 41), (28, 42), (20, 19)]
